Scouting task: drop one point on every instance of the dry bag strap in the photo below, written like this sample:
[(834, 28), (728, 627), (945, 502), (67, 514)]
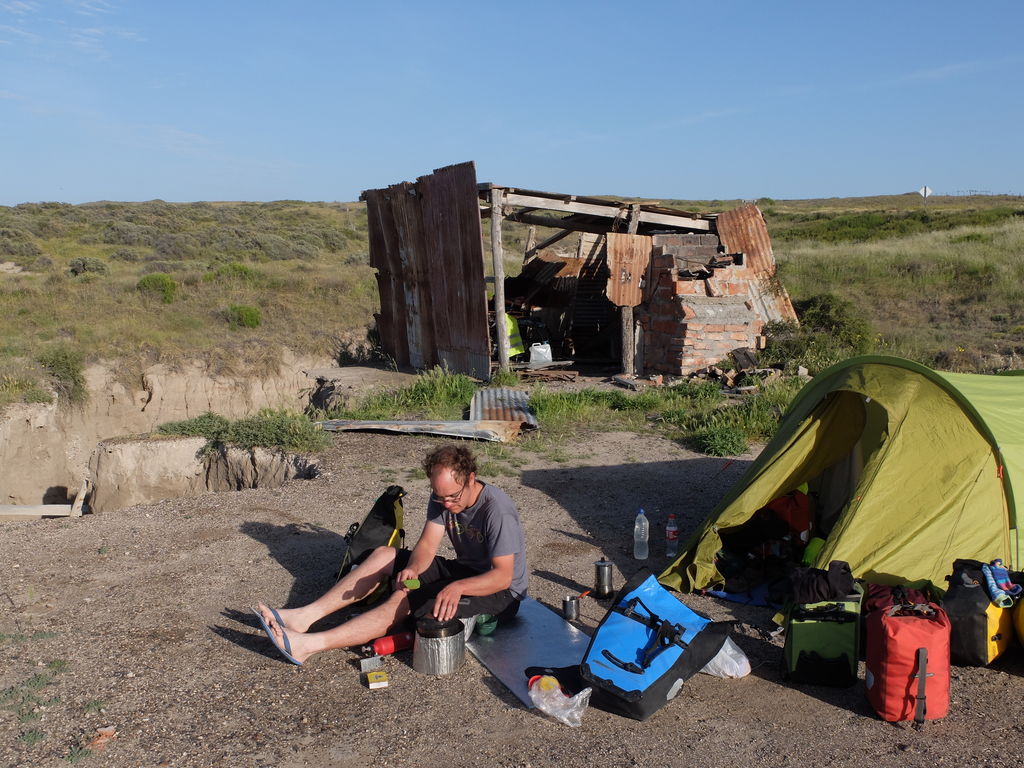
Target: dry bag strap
[(922, 675), (909, 609), (828, 612), (666, 634)]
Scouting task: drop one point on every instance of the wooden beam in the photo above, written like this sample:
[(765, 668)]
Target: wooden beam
[(497, 204), (22, 511), (546, 242), (610, 211), (531, 244), (634, 218), (553, 222)]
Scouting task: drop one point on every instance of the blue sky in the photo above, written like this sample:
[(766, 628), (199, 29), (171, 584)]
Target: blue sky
[(318, 100)]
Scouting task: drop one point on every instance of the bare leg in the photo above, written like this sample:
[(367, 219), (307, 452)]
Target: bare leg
[(357, 584), (357, 631)]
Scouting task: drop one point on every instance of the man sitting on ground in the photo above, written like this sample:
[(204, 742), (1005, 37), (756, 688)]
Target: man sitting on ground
[(488, 574)]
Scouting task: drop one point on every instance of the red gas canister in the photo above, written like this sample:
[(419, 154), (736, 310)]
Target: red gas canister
[(382, 646)]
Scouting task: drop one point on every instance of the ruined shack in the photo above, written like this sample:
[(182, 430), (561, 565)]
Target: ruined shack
[(647, 288)]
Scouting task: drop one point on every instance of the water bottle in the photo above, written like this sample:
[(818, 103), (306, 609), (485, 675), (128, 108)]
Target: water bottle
[(641, 529), (671, 536)]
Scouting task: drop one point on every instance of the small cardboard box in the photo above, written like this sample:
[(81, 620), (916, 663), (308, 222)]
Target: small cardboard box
[(378, 678)]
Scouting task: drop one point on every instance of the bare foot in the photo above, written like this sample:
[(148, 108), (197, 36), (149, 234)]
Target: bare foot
[(301, 645), (293, 618)]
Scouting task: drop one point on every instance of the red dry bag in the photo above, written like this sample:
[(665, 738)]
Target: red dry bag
[(908, 662)]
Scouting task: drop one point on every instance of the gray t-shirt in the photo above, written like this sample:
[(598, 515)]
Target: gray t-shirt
[(490, 528)]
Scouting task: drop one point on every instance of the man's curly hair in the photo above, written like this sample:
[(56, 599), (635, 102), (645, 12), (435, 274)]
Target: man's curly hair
[(459, 460)]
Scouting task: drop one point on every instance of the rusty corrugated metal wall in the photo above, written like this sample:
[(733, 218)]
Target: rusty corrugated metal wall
[(743, 230), (628, 257), (427, 248)]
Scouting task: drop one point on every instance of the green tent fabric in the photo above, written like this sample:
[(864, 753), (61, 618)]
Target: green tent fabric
[(912, 468)]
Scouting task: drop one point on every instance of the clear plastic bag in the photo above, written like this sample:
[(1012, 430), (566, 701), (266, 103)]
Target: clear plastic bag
[(731, 661), (547, 695)]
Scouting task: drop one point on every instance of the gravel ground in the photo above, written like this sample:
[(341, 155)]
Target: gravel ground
[(139, 620)]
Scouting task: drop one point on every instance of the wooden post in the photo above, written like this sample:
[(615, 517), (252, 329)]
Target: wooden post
[(627, 341), (497, 214), (628, 332), (531, 244)]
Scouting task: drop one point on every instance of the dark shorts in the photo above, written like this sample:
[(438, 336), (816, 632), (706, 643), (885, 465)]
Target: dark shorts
[(503, 605)]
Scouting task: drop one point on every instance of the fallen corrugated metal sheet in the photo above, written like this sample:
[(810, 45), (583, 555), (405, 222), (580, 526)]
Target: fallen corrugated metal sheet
[(503, 404), (493, 431), (743, 230), (497, 414)]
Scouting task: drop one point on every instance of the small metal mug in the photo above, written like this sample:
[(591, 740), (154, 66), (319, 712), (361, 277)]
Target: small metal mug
[(571, 607)]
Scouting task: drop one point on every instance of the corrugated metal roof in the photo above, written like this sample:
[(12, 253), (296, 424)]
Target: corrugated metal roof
[(503, 404), (743, 230)]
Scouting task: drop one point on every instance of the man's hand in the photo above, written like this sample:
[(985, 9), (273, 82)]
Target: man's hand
[(403, 575), (446, 604)]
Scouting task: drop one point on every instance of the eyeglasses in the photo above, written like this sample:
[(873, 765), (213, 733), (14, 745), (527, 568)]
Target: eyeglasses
[(449, 499)]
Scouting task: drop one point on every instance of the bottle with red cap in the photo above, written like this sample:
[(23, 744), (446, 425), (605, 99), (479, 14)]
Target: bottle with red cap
[(671, 536)]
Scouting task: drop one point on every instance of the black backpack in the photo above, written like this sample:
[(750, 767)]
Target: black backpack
[(382, 527)]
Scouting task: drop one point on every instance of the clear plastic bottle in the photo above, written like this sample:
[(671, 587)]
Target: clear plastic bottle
[(641, 531), (671, 536)]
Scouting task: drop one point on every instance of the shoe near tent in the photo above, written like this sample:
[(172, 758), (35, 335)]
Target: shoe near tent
[(910, 468)]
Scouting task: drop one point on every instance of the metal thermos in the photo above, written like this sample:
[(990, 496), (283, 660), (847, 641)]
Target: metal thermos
[(603, 579)]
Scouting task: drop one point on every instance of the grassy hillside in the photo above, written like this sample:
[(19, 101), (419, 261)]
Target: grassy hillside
[(939, 282), (142, 282)]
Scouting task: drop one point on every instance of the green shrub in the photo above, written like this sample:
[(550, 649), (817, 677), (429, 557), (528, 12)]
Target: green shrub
[(435, 394), (234, 271), (209, 425), (84, 264), (504, 379), (720, 441), (159, 284), (243, 316), (282, 429), (64, 364), (830, 330)]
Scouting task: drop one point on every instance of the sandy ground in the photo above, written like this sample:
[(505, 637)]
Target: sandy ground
[(138, 620)]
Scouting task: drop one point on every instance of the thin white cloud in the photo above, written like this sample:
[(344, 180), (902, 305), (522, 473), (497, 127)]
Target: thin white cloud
[(947, 71), (19, 7), (9, 95), (24, 35), (93, 40), (91, 7)]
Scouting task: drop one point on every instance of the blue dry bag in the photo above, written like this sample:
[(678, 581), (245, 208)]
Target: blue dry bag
[(647, 645)]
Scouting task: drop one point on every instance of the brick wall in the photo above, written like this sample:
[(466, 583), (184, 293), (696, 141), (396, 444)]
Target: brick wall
[(691, 322)]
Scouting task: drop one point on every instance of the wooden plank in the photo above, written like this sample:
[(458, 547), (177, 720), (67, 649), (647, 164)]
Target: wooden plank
[(451, 219), (611, 210), (79, 503), (383, 258), (31, 511)]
